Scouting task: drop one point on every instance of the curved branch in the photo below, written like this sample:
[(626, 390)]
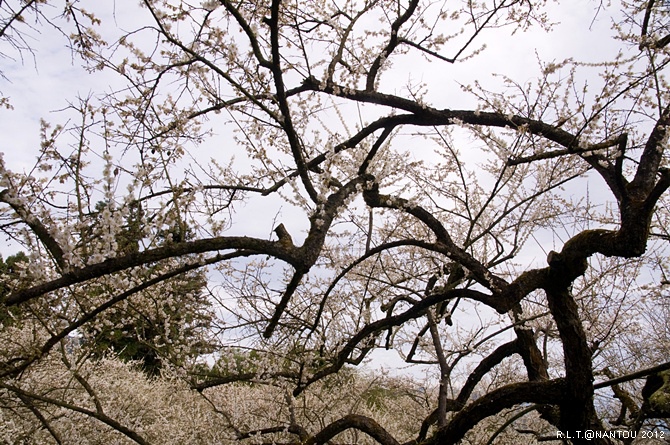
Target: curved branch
[(391, 320), (40, 230), (645, 21), (355, 421), (74, 276), (17, 16), (501, 352), (368, 254), (249, 32), (547, 392), (374, 199), (645, 176), (393, 42), (558, 153), (633, 376), (40, 417), (131, 434), (285, 120), (281, 306)]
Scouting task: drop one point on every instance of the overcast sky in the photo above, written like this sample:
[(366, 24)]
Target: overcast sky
[(39, 86)]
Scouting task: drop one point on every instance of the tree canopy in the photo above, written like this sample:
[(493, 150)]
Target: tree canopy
[(263, 195)]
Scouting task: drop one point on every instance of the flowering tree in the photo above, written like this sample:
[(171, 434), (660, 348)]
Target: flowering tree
[(515, 249)]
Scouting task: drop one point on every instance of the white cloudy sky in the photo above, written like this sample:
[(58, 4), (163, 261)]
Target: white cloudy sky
[(38, 86), (41, 84)]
